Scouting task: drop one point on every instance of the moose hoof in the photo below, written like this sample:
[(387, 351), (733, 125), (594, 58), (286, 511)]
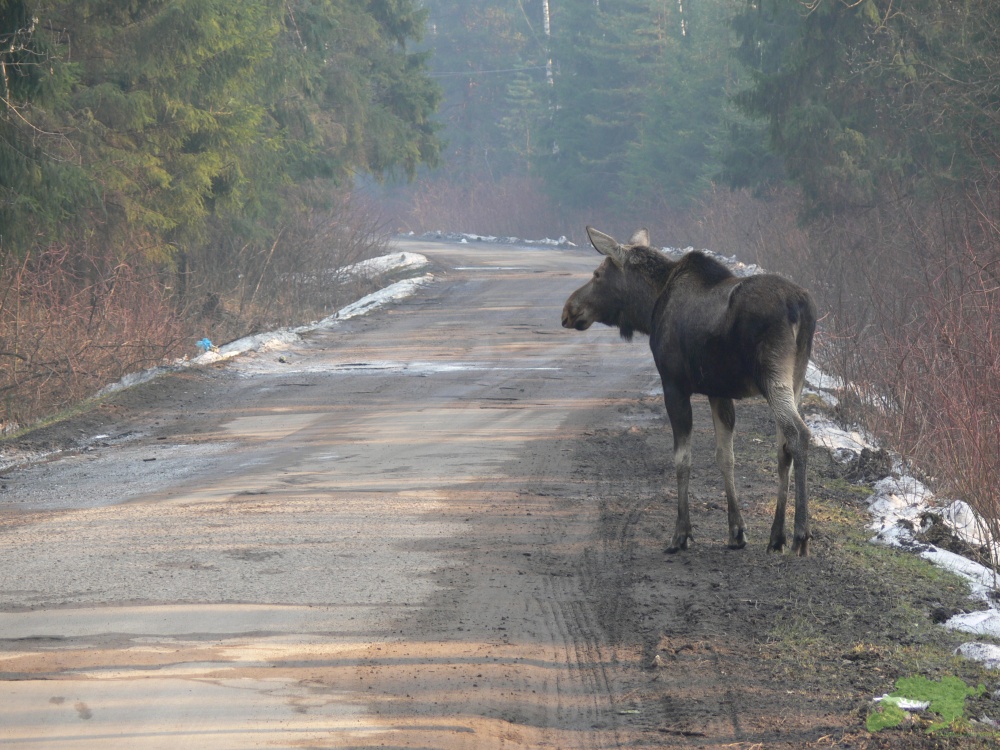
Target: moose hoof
[(800, 547), (738, 540), (777, 544), (678, 543)]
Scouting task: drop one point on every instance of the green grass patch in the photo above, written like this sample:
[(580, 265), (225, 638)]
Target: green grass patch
[(946, 697)]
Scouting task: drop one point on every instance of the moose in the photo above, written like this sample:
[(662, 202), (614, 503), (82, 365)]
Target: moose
[(715, 334)]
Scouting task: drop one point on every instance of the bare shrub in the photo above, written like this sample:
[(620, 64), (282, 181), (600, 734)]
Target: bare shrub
[(72, 321), (238, 288), (932, 370)]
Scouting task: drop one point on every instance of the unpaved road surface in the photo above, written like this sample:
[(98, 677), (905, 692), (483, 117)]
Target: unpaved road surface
[(437, 526)]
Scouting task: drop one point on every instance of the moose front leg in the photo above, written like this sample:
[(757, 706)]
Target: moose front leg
[(724, 419), (679, 411)]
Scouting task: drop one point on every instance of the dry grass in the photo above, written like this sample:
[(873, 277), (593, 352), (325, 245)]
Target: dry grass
[(72, 321)]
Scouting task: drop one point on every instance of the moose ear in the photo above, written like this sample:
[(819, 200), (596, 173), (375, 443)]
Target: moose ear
[(640, 238), (607, 245)]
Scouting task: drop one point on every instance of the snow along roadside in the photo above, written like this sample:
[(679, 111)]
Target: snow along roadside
[(900, 505), (393, 262)]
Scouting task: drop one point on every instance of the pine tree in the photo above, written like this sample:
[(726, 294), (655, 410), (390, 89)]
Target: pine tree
[(489, 57), (675, 155), (41, 184)]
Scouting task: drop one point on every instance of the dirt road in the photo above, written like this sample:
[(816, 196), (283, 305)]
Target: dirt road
[(437, 526)]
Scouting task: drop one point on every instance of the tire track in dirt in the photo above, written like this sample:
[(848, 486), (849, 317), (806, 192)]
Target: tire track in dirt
[(511, 646), (677, 618)]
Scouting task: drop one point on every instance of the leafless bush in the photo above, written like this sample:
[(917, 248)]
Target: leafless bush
[(233, 289), (932, 365), (72, 321)]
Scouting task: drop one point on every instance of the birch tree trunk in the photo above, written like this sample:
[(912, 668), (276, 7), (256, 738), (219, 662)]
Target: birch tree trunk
[(547, 25)]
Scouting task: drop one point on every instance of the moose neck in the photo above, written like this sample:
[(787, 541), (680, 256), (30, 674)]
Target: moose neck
[(650, 270)]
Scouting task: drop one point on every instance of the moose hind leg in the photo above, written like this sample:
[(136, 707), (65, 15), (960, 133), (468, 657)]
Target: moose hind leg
[(778, 540), (800, 542), (793, 446), (724, 419)]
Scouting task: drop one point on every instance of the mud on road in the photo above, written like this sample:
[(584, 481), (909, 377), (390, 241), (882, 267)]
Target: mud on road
[(553, 617)]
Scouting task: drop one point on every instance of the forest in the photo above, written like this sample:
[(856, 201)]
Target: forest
[(171, 169)]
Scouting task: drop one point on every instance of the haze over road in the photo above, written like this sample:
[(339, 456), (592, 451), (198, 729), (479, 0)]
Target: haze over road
[(379, 542)]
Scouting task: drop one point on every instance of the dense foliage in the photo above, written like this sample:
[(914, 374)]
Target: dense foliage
[(172, 170), (870, 101), (137, 122), (638, 103)]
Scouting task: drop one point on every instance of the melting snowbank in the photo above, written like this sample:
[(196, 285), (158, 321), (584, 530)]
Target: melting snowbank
[(283, 337), (465, 237), (900, 507)]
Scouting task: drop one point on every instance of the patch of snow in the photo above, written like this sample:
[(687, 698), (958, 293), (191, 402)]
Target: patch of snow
[(845, 445), (255, 343), (898, 499), (986, 653), (966, 524), (821, 380), (373, 301), (907, 704), (465, 238), (286, 337), (985, 622), (392, 263)]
